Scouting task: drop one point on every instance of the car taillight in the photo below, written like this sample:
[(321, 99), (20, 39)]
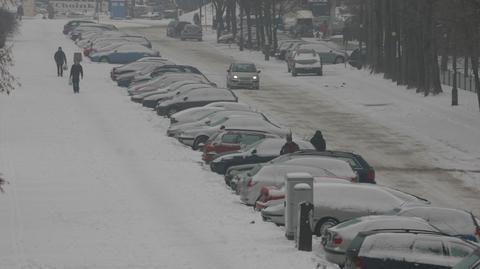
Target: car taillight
[(250, 182), (358, 263), (371, 175), (477, 233), (337, 240)]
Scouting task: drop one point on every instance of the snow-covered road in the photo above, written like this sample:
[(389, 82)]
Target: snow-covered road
[(419, 145), (95, 183)]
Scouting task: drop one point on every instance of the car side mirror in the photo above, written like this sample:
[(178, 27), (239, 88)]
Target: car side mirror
[(254, 152), (185, 98)]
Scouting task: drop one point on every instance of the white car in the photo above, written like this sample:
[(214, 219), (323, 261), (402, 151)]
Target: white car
[(196, 113), (337, 238), (274, 174), (213, 119), (306, 61), (194, 137)]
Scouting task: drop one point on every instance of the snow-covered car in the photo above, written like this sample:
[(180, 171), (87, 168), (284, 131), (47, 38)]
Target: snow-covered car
[(191, 31), (161, 70), (229, 140), (124, 54), (406, 249), (306, 61), (448, 220), (327, 55), (336, 239), (195, 136), (249, 186), (260, 152), (110, 43), (133, 67), (335, 203), (196, 113), (242, 74), (69, 26), (152, 99), (195, 98), (216, 118), (472, 261), (165, 80)]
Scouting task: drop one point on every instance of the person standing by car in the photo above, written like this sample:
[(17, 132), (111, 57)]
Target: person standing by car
[(75, 73), (289, 146), (60, 60), (318, 141)]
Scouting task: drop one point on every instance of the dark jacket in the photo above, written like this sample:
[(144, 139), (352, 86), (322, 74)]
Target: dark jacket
[(75, 72), (60, 57), (318, 142), (289, 147)]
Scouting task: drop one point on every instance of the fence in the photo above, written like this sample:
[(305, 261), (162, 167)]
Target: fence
[(463, 82)]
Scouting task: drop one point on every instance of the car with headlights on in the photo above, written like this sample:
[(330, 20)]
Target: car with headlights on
[(243, 75), (336, 239), (195, 98)]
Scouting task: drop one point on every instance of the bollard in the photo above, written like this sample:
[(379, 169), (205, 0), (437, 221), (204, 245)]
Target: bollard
[(304, 230), (294, 197)]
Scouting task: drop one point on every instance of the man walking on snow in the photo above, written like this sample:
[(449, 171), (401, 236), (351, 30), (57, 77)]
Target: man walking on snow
[(75, 73), (60, 59)]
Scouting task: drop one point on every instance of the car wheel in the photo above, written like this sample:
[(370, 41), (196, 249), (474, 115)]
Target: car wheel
[(323, 224), (339, 60), (198, 140), (104, 60)]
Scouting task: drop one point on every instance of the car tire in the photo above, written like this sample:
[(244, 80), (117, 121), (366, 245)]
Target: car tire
[(198, 140), (104, 59), (339, 60), (323, 224)]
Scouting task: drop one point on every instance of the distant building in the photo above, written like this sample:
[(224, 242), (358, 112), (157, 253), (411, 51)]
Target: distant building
[(29, 8), (78, 6), (118, 8)]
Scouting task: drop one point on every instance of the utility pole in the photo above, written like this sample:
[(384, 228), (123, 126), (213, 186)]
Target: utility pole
[(333, 6)]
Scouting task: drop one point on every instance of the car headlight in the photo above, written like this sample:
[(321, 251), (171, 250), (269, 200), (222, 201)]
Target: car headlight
[(235, 77), (254, 77)]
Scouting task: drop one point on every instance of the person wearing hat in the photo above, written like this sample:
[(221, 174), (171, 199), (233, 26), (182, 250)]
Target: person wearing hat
[(318, 141), (289, 146), (61, 60), (76, 71)]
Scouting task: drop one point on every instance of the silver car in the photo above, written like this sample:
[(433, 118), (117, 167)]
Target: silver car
[(337, 238), (243, 75)]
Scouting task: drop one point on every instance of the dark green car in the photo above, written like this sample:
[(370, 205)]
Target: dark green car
[(470, 262)]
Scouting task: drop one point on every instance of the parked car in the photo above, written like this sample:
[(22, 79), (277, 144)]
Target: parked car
[(406, 249), (249, 186), (196, 98), (191, 31), (366, 173), (472, 261), (260, 152), (161, 70), (448, 220), (123, 54), (217, 118), (243, 74), (335, 203), (285, 46), (196, 113), (125, 79), (306, 61), (69, 26), (336, 239), (327, 55), (226, 39), (152, 99), (164, 80), (134, 67), (193, 137), (229, 140), (174, 28)]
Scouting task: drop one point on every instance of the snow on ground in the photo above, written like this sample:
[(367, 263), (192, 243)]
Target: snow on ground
[(95, 183)]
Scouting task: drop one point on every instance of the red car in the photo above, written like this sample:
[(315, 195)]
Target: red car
[(231, 140)]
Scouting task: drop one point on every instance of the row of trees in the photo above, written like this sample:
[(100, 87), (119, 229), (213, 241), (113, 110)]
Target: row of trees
[(8, 26)]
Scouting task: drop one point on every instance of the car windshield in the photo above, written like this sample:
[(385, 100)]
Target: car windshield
[(244, 68)]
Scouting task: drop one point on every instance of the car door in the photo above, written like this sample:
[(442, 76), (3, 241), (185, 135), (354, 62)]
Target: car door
[(230, 142), (427, 251)]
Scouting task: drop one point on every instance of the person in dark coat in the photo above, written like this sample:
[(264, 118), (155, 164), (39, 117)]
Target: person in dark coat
[(289, 146), (318, 142), (75, 72), (60, 60), (19, 12)]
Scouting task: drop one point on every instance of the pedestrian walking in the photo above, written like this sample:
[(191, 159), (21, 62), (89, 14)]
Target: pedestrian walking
[(60, 60), (20, 12), (289, 146), (75, 72), (318, 141)]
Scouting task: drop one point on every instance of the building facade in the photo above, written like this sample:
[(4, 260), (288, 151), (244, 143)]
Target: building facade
[(78, 6)]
